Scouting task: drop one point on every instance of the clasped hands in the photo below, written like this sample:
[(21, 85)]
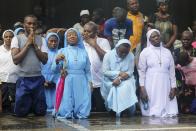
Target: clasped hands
[(31, 40), (122, 76)]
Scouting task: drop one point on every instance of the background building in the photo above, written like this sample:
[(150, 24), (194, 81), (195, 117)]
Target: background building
[(64, 13)]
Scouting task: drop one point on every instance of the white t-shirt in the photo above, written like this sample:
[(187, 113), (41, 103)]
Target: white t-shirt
[(8, 70), (78, 27), (96, 63)]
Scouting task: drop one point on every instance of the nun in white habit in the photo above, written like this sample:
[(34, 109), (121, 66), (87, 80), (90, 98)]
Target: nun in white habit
[(119, 90), (157, 78)]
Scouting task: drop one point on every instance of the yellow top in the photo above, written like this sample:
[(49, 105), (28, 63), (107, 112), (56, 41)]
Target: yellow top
[(138, 24)]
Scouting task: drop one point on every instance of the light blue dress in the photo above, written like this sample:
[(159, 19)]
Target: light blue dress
[(76, 100), (123, 96), (50, 76)]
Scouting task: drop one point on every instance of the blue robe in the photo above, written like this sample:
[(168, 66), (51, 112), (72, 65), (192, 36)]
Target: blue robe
[(124, 96), (76, 100), (50, 76)]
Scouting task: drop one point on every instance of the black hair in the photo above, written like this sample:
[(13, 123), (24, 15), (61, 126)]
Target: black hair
[(31, 15), (187, 32), (130, 0), (165, 2), (99, 11), (183, 58), (121, 13)]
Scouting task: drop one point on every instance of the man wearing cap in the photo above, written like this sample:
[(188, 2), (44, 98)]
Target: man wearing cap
[(84, 18)]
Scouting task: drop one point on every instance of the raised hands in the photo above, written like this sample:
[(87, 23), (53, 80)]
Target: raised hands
[(31, 38)]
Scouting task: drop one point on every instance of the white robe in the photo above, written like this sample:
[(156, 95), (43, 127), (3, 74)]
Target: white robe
[(158, 81), (124, 96)]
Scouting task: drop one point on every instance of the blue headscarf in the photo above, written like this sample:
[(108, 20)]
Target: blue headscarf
[(17, 30), (80, 43), (46, 69), (53, 34)]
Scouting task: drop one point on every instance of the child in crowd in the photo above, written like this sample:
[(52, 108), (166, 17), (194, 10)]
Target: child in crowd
[(187, 66), (194, 34)]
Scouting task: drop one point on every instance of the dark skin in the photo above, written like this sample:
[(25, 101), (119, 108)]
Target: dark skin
[(97, 18), (90, 37), (187, 39), (52, 44), (30, 24), (163, 15), (122, 52), (120, 16), (84, 19), (155, 40), (7, 39), (133, 6), (115, 10), (72, 39)]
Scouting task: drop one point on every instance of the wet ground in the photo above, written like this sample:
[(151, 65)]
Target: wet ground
[(99, 121)]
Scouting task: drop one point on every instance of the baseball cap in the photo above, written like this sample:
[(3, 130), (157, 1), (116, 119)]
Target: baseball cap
[(84, 12)]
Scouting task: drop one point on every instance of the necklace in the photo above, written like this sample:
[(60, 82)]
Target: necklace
[(159, 57), (75, 55)]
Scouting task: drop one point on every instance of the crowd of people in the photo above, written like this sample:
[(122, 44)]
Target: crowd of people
[(126, 64)]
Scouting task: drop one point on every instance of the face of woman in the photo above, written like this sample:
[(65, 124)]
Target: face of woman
[(123, 51), (155, 39), (52, 42), (163, 7), (8, 38), (72, 38)]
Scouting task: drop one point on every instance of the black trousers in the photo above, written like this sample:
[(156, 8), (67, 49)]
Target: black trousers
[(8, 96), (97, 101)]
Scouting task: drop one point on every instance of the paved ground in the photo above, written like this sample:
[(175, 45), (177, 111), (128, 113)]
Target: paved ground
[(99, 121)]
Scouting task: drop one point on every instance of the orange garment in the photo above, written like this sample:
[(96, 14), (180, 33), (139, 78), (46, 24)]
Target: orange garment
[(138, 24)]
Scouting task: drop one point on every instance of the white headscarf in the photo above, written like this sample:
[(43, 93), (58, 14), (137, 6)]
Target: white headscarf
[(7, 31), (122, 41), (149, 33)]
